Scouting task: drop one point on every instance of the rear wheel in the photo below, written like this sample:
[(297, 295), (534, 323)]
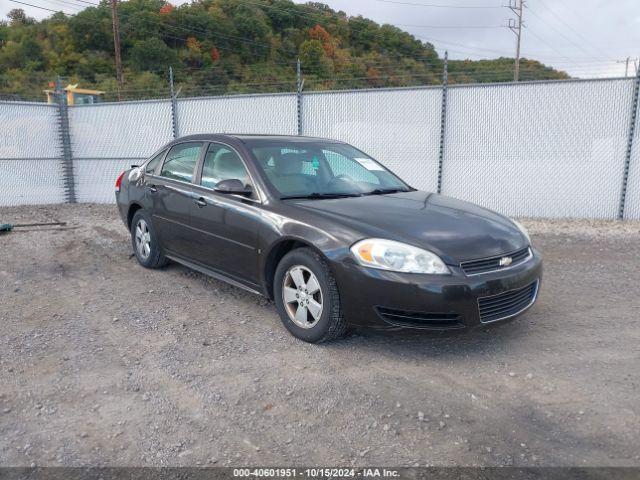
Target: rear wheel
[(307, 297), (145, 242)]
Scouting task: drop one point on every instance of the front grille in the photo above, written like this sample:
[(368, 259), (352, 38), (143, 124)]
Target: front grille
[(430, 320), (491, 264), (507, 304)]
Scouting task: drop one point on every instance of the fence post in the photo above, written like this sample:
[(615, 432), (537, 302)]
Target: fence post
[(299, 95), (627, 160), (174, 105), (65, 141), (443, 118)]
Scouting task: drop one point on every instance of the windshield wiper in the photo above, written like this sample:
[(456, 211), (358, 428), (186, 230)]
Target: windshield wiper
[(315, 196), (384, 191)]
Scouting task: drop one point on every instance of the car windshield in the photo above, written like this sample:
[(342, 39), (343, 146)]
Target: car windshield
[(323, 170)]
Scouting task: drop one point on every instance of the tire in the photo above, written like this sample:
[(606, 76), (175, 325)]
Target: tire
[(149, 256), (319, 326)]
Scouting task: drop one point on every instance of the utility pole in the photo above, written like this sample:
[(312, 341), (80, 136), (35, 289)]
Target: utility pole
[(116, 43), (626, 62), (515, 25), (626, 67)]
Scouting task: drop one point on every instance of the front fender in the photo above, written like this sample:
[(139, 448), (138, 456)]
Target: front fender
[(283, 233)]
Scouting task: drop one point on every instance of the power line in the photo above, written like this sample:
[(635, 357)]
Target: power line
[(422, 60), (63, 2), (561, 20), (246, 40), (41, 8), (352, 27), (460, 27), (88, 3), (546, 43), (559, 32), (126, 15), (217, 34), (431, 5), (322, 14)]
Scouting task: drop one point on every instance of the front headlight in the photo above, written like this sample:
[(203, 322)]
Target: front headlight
[(397, 257), (522, 230)]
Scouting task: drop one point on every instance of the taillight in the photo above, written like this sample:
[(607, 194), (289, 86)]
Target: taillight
[(119, 181)]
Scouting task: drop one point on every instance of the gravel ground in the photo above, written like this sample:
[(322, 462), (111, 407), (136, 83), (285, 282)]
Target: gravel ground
[(105, 363)]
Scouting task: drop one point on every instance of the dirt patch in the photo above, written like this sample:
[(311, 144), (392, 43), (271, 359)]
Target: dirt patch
[(104, 362)]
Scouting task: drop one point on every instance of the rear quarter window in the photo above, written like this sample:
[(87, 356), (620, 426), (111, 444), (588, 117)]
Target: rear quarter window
[(152, 166), (181, 162)]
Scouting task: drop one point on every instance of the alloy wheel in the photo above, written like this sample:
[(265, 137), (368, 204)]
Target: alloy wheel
[(302, 296), (143, 239)]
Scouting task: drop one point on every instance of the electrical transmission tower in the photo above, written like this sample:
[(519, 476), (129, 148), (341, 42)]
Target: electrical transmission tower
[(515, 25)]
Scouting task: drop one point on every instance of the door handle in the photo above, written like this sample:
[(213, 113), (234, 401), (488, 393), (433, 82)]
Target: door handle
[(153, 188), (201, 202)]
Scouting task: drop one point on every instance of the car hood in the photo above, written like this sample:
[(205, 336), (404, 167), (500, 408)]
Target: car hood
[(453, 229)]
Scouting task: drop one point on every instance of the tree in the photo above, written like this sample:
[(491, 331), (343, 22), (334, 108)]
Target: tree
[(91, 30), (18, 17), (319, 33), (31, 53), (166, 9), (312, 56), (252, 27), (228, 45), (151, 54)]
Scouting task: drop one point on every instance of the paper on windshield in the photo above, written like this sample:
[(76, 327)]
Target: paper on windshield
[(368, 164)]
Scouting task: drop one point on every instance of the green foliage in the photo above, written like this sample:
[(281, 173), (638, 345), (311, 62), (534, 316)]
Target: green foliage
[(313, 58), (151, 54), (222, 46)]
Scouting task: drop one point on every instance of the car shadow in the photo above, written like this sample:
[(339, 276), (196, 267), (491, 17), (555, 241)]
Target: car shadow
[(482, 341)]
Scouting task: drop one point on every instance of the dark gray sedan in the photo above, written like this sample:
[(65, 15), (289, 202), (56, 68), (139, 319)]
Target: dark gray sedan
[(328, 233)]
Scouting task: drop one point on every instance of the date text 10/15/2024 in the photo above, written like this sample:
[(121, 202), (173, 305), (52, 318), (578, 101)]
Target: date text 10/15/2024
[(315, 472)]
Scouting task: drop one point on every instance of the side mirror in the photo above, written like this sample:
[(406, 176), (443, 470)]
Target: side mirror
[(135, 174), (232, 186)]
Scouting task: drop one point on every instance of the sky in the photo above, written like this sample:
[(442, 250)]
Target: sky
[(586, 38)]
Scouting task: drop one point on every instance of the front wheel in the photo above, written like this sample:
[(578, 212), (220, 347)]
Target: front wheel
[(307, 297), (145, 242)]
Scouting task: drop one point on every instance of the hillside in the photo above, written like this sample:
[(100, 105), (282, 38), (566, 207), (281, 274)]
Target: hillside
[(226, 46)]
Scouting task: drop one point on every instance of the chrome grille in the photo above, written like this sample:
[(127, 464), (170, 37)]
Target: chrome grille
[(507, 304), (492, 264)]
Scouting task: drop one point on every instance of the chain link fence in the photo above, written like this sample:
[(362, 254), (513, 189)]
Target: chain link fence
[(546, 149), (267, 114), (107, 138), (30, 154), (400, 127), (540, 149)]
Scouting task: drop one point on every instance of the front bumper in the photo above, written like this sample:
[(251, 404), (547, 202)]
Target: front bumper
[(391, 300)]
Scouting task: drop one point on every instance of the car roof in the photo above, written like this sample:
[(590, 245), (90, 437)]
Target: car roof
[(249, 138)]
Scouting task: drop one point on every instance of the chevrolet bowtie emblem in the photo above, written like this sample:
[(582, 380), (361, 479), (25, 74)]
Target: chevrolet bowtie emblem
[(505, 261)]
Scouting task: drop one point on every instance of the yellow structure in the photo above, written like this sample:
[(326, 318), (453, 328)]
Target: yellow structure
[(75, 95)]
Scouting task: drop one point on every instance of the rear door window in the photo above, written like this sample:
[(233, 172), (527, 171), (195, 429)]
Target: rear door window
[(181, 161)]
